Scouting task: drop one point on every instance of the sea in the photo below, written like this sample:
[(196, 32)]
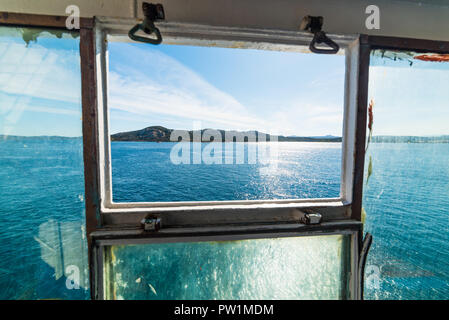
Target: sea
[(43, 252)]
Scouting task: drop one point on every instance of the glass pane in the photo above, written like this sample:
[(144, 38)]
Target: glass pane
[(406, 198), (43, 250), (161, 98), (280, 268)]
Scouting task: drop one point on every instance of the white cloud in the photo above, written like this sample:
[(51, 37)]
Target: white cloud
[(37, 79), (162, 88), (410, 100), (168, 88), (177, 91), (39, 72), (306, 119)]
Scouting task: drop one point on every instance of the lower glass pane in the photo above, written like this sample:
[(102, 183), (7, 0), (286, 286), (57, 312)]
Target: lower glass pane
[(313, 267)]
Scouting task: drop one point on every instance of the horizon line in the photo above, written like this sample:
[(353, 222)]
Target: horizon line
[(311, 136)]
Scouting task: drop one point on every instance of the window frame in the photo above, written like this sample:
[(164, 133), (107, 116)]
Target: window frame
[(349, 218), (356, 93), (88, 101), (262, 219), (223, 212), (103, 224), (120, 223)]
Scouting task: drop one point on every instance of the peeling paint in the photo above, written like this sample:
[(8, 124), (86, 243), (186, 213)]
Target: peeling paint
[(433, 57), (410, 56), (30, 35)]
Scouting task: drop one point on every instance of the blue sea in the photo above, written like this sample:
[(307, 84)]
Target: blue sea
[(304, 170), (406, 201), (41, 218), (42, 241)]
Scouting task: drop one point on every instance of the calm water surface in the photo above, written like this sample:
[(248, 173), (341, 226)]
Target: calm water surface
[(143, 171), (42, 212)]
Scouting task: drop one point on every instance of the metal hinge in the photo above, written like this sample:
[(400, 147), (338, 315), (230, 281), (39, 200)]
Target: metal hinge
[(151, 223), (309, 217)]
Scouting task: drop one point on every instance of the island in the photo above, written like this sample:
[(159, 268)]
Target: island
[(162, 134)]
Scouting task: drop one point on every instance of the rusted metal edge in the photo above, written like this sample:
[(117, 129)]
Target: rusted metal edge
[(90, 141), (409, 44), (40, 20)]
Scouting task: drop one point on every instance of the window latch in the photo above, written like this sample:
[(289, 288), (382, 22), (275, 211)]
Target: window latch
[(152, 13), (309, 217), (151, 223), (314, 25)]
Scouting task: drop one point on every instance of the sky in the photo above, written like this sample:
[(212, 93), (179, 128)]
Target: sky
[(285, 93), (409, 100), (40, 86), (182, 87)]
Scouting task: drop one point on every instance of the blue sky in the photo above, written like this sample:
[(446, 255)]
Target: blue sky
[(286, 93), (243, 89), (40, 91), (409, 100)]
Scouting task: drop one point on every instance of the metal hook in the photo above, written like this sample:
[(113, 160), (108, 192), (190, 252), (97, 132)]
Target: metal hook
[(314, 25), (152, 13)]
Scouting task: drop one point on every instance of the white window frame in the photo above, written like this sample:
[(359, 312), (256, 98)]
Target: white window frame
[(114, 213), (120, 223)]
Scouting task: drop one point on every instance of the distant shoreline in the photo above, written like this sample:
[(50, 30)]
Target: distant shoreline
[(268, 141), (375, 139), (162, 134), (14, 137)]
